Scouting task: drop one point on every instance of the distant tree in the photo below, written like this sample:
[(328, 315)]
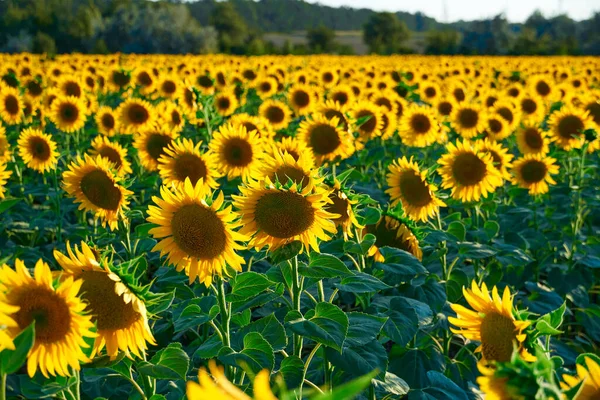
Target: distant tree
[(384, 33), (230, 26), (442, 42), (321, 39)]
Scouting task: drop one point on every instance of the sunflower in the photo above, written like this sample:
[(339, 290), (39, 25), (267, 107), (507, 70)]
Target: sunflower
[(282, 166), (368, 119), (167, 86), (237, 151), (182, 160), (332, 109), (589, 378), (135, 116), (37, 150), (218, 387), (491, 322), (6, 322), (302, 99), (266, 87), (496, 128), (5, 152), (325, 138), (225, 103), (295, 148), (418, 126), (328, 77), (430, 91), (496, 387), (500, 157), (445, 106), (196, 236), (253, 123), (93, 184), (342, 95), (170, 115), (543, 87), (531, 139), (278, 214), (468, 120), (277, 113), (113, 152), (145, 80), (70, 86), (509, 112), (533, 109), (468, 172), (393, 232), (68, 114), (390, 124), (4, 175), (533, 172), (188, 100), (342, 205), (567, 126), (34, 89), (60, 324), (151, 145), (11, 105), (120, 316), (408, 185)]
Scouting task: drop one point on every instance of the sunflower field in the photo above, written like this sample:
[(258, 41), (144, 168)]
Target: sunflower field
[(281, 227)]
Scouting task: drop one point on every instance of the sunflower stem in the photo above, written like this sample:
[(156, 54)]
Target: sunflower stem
[(225, 310), (306, 365), (321, 291), (297, 294), (3, 386)]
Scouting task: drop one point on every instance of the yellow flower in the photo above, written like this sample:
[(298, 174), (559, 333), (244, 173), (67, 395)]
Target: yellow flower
[(11, 105), (468, 120), (68, 114), (500, 157), (533, 172), (238, 153), (567, 126), (225, 103), (152, 144), (418, 126), (342, 206), (588, 376), (325, 138), (392, 232), (4, 175), (277, 113), (113, 152), (135, 116), (531, 139), (37, 150)]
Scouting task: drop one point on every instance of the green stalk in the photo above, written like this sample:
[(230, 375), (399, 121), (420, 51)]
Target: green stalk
[(2, 386), (306, 365), (296, 297), (225, 311)]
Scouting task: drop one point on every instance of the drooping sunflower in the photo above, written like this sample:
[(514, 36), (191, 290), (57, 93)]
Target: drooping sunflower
[(468, 119), (567, 126), (6, 321), (238, 152), (342, 205), (491, 321), (218, 387), (418, 126), (368, 115), (195, 232), (468, 172), (533, 172), (589, 378), (113, 152), (37, 150), (119, 314), (225, 103), (393, 232), (501, 158), (68, 113), (93, 184), (11, 105), (277, 113), (135, 116), (408, 185), (278, 214), (5, 173), (325, 138), (151, 145), (60, 323), (531, 139), (183, 160)]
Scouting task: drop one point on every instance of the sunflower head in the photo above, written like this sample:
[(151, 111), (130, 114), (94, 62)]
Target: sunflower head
[(392, 231), (68, 113), (588, 376), (37, 150), (136, 116), (152, 144), (342, 204), (468, 120), (11, 105), (277, 113), (113, 152), (325, 138), (531, 139), (534, 172), (225, 103), (567, 127), (418, 126), (238, 152), (501, 158)]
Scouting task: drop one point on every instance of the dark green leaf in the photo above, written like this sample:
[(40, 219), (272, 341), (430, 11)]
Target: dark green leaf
[(363, 328), (360, 360), (12, 360), (391, 385), (9, 203), (269, 327), (348, 390), (286, 252), (475, 251), (328, 326), (291, 369), (199, 312), (324, 266), (210, 348), (400, 263), (458, 230), (247, 285), (361, 283), (257, 354), (403, 323), (491, 228), (170, 362)]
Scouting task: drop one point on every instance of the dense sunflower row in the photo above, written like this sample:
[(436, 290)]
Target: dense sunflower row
[(255, 154)]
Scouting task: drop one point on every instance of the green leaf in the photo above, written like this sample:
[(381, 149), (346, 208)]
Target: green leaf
[(348, 390), (291, 370), (548, 324), (458, 230), (392, 384), (200, 311), (323, 266), (257, 354), (210, 348), (246, 285), (475, 251), (269, 327), (286, 252), (441, 387), (403, 322), (412, 367), (361, 248), (491, 229), (168, 363), (143, 229), (157, 397), (9, 203), (328, 326), (12, 360), (400, 263), (359, 360), (361, 283), (370, 215), (363, 328)]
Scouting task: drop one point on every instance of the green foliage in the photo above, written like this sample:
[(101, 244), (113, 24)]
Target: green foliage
[(384, 33)]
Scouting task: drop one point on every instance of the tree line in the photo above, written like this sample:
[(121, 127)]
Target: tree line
[(238, 27)]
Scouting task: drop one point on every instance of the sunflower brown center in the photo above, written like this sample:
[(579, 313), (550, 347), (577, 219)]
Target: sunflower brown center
[(100, 190), (495, 125), (459, 94), (39, 148), (107, 308), (205, 81), (382, 101), (497, 336), (49, 311), (169, 87), (533, 138), (513, 92), (542, 88), (301, 99), (190, 166), (285, 172), (414, 190), (324, 139), (340, 206), (189, 98), (329, 114), (594, 110), (144, 79), (340, 97), (430, 92), (250, 126), (370, 124), (570, 126), (120, 79), (223, 103), (265, 87), (528, 106), (468, 118), (506, 113), (176, 117), (69, 112), (327, 77), (490, 101), (445, 108), (108, 121), (275, 114), (198, 231), (138, 114), (11, 104), (238, 152), (72, 89), (156, 145), (468, 169), (420, 124), (388, 236), (533, 171), (34, 88), (284, 214), (112, 155)]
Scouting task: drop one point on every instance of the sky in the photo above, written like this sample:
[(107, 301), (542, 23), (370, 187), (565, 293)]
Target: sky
[(515, 10)]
